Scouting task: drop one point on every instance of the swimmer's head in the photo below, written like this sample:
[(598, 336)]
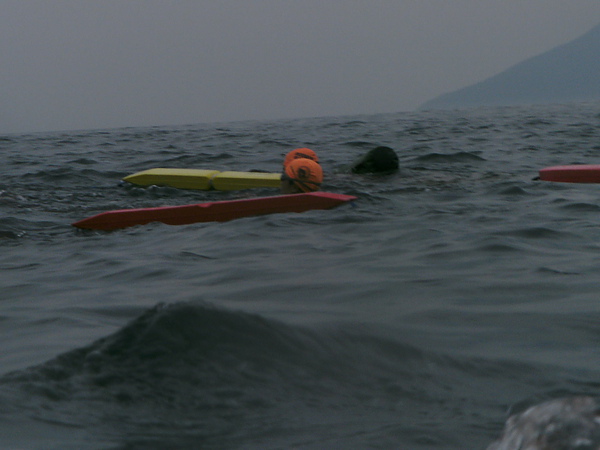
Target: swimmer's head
[(306, 153), (378, 160), (301, 175)]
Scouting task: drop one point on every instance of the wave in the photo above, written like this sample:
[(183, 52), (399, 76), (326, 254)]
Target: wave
[(569, 423), (195, 371), (458, 157), (200, 345)]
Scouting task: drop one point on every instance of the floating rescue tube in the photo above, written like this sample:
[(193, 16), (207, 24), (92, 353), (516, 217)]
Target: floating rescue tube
[(213, 212), (582, 173), (204, 179)]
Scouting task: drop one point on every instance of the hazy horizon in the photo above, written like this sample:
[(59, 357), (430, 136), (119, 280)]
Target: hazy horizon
[(73, 65)]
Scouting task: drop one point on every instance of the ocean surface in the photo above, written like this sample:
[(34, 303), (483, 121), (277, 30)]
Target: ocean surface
[(448, 296)]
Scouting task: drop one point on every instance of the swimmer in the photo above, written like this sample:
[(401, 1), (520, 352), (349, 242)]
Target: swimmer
[(300, 153), (379, 160), (301, 175), (563, 424)]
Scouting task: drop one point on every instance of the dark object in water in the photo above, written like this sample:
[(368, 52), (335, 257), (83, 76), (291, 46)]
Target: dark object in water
[(563, 424), (378, 160)]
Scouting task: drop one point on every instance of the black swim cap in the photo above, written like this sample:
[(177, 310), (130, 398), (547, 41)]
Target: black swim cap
[(378, 160)]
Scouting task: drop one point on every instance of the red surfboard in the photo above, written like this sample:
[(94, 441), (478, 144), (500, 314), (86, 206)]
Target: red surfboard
[(582, 173), (213, 212)]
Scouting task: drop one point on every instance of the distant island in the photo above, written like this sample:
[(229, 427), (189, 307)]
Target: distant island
[(565, 74)]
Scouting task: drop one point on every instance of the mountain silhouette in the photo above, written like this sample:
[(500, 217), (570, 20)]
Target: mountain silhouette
[(565, 74)]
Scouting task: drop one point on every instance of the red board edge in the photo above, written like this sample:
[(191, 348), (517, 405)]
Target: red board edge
[(579, 173), (214, 211)]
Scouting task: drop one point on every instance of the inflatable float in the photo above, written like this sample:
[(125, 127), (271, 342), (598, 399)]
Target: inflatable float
[(582, 173), (221, 211), (204, 179)]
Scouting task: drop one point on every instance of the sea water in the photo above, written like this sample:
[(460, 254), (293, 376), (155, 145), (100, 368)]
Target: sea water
[(448, 296)]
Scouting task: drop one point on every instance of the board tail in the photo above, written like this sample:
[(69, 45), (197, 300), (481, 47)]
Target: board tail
[(582, 173)]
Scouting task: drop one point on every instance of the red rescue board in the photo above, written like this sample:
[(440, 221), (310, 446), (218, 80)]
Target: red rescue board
[(213, 212), (582, 173)]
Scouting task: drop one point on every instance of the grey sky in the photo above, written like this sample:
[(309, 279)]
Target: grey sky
[(84, 64)]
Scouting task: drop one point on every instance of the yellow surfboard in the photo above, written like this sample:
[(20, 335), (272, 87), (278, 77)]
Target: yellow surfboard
[(231, 181), (178, 178), (204, 179)]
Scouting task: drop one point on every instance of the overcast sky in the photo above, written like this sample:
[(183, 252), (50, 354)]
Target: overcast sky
[(87, 64)]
